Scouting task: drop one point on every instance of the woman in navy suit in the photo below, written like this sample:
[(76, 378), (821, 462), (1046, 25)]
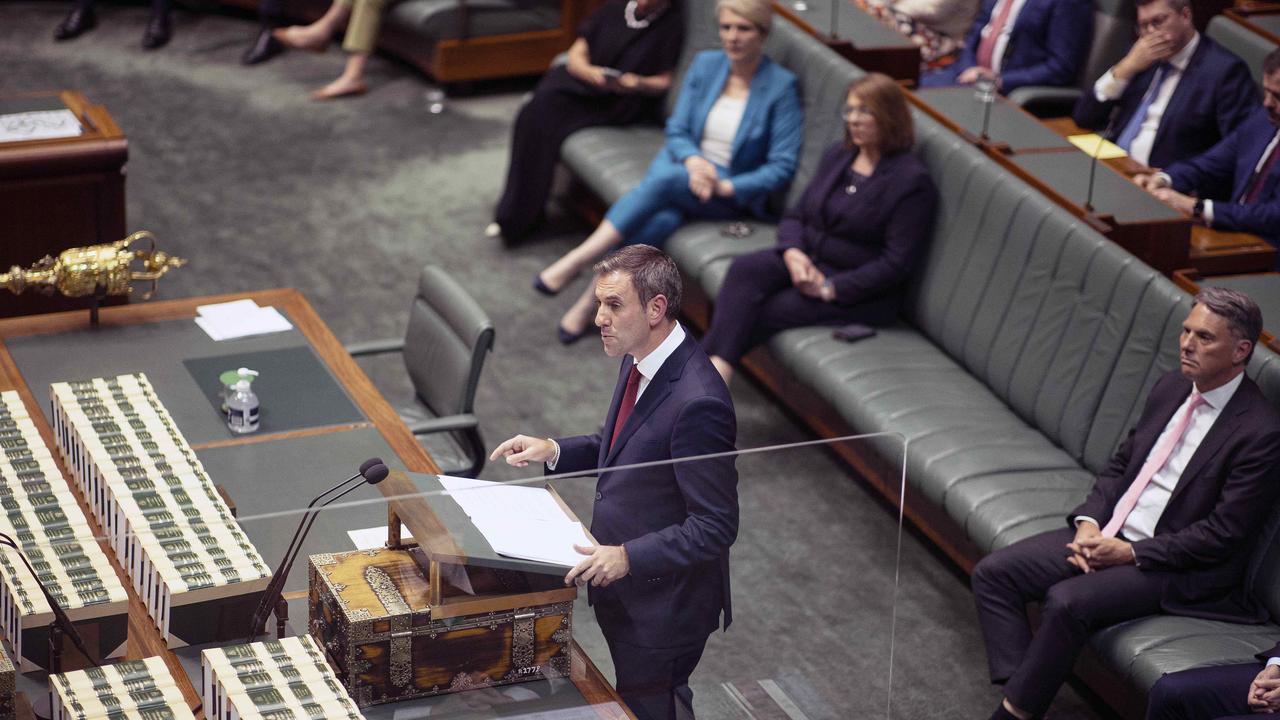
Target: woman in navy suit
[(847, 247), (732, 141)]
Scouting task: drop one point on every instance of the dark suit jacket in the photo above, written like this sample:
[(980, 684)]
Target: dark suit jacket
[(865, 243), (676, 521), (1047, 45), (1227, 489), (1216, 94), (1229, 164)]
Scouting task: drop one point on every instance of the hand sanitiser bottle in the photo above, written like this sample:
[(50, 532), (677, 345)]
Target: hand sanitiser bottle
[(242, 405)]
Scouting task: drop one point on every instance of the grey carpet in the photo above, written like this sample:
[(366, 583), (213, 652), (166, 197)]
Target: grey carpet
[(237, 170)]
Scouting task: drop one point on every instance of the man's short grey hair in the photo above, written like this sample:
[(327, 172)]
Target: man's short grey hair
[(1239, 310), (652, 272), (1174, 5)]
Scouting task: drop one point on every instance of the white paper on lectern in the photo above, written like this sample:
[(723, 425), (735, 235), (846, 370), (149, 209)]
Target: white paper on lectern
[(519, 521)]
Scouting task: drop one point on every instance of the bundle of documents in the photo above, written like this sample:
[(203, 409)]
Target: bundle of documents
[(132, 689), (518, 521), (286, 678), (39, 125), (1093, 144), (239, 318), (164, 518), (41, 514)]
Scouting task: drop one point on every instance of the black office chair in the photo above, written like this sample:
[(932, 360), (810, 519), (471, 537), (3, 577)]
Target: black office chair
[(444, 349)]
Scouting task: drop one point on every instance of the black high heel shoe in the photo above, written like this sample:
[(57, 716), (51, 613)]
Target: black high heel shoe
[(544, 289), (77, 22)]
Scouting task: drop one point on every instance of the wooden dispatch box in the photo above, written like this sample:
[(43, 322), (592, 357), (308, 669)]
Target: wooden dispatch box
[(372, 612)]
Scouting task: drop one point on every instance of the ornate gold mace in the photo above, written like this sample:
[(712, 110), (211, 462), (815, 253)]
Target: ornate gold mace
[(95, 271)]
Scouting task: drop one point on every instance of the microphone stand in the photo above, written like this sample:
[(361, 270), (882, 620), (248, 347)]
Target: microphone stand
[(62, 624), (272, 597), (1093, 163)]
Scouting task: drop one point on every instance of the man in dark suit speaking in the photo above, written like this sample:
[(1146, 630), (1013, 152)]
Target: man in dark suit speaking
[(1166, 526), (660, 574)]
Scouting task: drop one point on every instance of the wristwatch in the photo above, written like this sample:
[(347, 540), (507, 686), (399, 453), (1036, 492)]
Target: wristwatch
[(828, 292)]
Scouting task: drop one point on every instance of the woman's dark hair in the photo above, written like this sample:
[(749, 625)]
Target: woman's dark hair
[(887, 103)]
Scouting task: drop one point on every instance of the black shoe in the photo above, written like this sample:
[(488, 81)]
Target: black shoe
[(77, 22), (158, 32), (263, 49)]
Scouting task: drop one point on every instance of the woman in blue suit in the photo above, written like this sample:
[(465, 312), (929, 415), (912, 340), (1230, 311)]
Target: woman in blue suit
[(732, 140)]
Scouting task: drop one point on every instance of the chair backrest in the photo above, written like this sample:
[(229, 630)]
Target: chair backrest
[(1064, 326), (823, 75), (445, 343), (1114, 25), (1249, 45)]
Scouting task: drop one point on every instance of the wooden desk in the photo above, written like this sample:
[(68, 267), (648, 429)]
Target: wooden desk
[(1158, 235), (144, 640), (1264, 288), (1262, 18), (59, 193), (1212, 252), (857, 36)]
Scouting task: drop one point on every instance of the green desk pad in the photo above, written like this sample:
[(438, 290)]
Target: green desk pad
[(1113, 194), (1267, 21), (15, 105), (158, 349), (293, 386), (271, 482), (1008, 124)]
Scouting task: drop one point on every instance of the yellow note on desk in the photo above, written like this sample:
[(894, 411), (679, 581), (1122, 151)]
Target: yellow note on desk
[(1092, 143)]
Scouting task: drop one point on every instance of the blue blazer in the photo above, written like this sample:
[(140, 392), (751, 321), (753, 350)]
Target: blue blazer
[(675, 521), (1229, 164), (1047, 45), (766, 147), (1216, 94)]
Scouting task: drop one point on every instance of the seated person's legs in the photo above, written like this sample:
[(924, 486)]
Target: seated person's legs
[(1203, 693), (315, 37)]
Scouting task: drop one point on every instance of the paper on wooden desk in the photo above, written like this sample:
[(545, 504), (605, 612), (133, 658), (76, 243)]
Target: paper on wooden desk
[(239, 318), (519, 521), (1089, 143)]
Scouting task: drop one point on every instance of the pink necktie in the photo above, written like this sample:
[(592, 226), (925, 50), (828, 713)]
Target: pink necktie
[(1155, 461), (985, 56)]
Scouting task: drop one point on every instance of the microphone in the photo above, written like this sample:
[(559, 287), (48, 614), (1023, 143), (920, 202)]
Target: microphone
[(61, 623), (1093, 163), (372, 471)]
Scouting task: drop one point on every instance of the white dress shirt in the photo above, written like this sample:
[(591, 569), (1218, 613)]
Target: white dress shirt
[(648, 366), (1109, 88), (1002, 42), (1141, 523)]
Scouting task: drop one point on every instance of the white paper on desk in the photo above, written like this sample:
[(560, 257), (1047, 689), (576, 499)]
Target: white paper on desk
[(39, 125), (239, 318), (519, 521), (374, 537)]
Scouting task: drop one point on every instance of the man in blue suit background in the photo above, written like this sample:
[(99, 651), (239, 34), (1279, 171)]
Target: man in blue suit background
[(1174, 95), (660, 574), (1022, 42), (1235, 185)]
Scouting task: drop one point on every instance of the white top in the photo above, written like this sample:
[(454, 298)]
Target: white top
[(1002, 42), (720, 129), (1108, 88), (1141, 523), (652, 363)]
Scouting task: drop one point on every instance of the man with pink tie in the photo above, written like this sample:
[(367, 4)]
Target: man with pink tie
[(1165, 528)]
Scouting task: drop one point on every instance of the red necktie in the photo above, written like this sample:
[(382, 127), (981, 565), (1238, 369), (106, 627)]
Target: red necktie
[(628, 403), (1156, 460), (1255, 189), (987, 48)]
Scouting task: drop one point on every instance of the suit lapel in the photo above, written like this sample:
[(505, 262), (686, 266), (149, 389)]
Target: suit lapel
[(1222, 429), (755, 101), (658, 390), (718, 79), (1186, 84), (1146, 436), (1257, 144)]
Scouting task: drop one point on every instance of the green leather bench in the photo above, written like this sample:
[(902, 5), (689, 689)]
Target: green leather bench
[(1024, 356)]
